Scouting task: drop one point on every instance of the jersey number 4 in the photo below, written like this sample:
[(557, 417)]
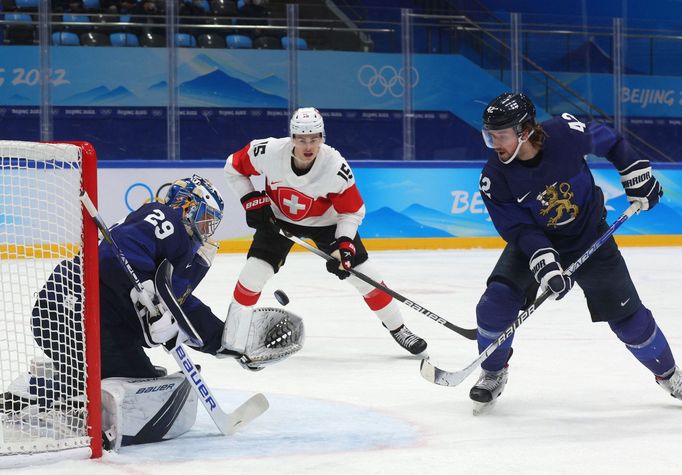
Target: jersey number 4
[(573, 123), (162, 228)]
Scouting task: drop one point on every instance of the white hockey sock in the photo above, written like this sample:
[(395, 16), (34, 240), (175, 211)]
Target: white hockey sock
[(379, 302), (252, 279), (390, 316)]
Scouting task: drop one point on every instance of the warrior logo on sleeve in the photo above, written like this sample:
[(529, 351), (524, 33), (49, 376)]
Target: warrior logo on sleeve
[(558, 201)]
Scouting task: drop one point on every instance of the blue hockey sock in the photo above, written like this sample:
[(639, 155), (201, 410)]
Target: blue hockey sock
[(496, 310), (645, 341)]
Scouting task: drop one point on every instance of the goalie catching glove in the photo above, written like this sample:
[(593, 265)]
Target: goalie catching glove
[(641, 185), (258, 337), (545, 266), (158, 323)]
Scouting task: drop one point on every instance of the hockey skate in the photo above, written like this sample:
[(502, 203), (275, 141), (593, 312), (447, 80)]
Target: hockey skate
[(408, 340), (487, 389), (672, 384)]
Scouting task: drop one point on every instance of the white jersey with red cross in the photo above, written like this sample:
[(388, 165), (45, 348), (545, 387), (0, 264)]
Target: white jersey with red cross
[(324, 196)]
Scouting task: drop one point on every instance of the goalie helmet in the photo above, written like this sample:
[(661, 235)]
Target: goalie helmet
[(305, 121), (509, 110), (201, 204)]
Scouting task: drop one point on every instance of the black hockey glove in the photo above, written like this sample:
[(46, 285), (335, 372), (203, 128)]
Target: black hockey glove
[(344, 255), (545, 266), (641, 185), (258, 212)]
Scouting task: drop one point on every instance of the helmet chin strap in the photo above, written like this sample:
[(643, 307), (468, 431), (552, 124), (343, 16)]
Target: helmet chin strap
[(518, 147)]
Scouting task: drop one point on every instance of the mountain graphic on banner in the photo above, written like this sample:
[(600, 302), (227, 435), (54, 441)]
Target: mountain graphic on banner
[(220, 89), (661, 220), (388, 223), (18, 99), (462, 224), (272, 84), (100, 95)]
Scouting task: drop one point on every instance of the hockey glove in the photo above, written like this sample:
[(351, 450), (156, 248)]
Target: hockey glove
[(345, 257), (259, 214), (545, 266), (158, 323), (641, 185)]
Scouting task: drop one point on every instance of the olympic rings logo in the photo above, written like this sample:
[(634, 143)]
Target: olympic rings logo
[(385, 80), (145, 195)]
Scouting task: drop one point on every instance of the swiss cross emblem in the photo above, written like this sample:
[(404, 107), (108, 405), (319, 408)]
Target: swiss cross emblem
[(294, 204)]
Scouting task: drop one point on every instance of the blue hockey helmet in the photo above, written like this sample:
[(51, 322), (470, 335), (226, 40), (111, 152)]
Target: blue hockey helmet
[(201, 204)]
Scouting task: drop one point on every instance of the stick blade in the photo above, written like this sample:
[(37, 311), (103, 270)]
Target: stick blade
[(248, 411), (435, 375)]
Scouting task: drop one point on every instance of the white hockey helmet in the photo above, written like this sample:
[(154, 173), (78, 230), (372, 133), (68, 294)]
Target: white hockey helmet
[(306, 120)]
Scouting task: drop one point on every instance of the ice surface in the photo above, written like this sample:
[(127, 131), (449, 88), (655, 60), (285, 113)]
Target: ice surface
[(352, 401)]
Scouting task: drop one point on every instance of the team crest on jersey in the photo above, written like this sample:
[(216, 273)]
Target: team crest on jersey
[(557, 200), (294, 204)]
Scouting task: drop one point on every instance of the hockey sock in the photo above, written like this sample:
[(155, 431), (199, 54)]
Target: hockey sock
[(496, 310), (645, 341), (378, 301), (252, 279)]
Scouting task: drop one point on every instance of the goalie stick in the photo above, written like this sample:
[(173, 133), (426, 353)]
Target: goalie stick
[(469, 333), (227, 423), (439, 376)]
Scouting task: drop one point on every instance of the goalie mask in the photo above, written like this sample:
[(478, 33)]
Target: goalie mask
[(306, 121), (201, 204), (505, 119)]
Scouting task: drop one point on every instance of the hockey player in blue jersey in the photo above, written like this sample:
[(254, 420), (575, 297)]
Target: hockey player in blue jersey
[(544, 203), (177, 230)]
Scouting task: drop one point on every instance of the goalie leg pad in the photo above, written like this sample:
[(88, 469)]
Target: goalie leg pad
[(139, 411)]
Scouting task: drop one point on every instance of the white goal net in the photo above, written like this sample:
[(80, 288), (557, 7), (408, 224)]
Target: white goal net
[(44, 401)]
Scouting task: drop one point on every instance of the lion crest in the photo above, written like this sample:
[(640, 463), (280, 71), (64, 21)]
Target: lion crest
[(558, 201)]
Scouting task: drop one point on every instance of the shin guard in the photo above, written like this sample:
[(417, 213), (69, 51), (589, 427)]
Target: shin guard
[(645, 341), (496, 310)]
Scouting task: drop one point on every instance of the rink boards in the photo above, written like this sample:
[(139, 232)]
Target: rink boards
[(409, 205)]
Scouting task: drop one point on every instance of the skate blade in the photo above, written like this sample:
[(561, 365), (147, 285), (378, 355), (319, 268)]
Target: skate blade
[(481, 408)]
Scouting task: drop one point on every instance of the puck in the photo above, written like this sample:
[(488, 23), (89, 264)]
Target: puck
[(281, 297)]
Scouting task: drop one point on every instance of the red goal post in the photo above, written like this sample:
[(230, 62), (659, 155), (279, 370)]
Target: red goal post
[(49, 326)]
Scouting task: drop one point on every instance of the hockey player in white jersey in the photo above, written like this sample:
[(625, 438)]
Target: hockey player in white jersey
[(310, 192)]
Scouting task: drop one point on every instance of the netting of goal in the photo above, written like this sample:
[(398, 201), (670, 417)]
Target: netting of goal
[(49, 330)]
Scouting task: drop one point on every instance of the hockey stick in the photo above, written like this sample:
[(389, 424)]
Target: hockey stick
[(227, 423), (465, 332), (433, 374)]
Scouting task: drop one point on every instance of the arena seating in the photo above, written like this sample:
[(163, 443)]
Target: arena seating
[(65, 38), (239, 42)]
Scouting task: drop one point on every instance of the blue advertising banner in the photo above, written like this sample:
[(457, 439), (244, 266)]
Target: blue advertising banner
[(444, 202), (413, 200), (116, 98), (242, 78)]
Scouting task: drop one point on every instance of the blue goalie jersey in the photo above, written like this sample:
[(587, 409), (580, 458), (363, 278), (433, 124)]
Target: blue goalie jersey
[(147, 236), (552, 200)]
